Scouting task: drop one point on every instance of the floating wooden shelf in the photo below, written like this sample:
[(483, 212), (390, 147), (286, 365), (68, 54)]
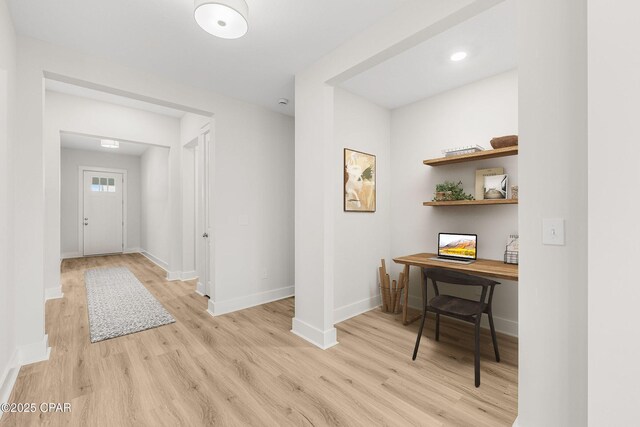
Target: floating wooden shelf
[(473, 202), (480, 155)]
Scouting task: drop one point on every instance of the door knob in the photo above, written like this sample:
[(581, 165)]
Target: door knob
[(86, 219), (205, 235), (86, 223)]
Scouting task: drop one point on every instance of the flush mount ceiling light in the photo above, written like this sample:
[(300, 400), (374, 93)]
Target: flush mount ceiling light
[(109, 143), (458, 56), (227, 19)]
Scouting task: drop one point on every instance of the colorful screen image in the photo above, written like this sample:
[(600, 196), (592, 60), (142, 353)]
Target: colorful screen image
[(457, 245)]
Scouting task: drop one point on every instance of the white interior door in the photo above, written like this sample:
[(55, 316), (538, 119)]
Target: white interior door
[(204, 252), (103, 202)]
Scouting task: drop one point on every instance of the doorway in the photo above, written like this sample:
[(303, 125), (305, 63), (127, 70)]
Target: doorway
[(103, 207), (204, 238), (150, 137)]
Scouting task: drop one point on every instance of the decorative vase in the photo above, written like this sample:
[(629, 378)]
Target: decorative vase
[(443, 195), (504, 141), (514, 192)]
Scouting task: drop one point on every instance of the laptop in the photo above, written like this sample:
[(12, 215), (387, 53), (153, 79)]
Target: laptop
[(458, 248)]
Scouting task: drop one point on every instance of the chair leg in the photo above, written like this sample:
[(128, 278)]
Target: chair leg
[(477, 352), (437, 327), (415, 350), (494, 337)]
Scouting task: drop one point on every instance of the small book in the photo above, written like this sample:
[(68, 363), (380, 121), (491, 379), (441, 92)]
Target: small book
[(469, 149)]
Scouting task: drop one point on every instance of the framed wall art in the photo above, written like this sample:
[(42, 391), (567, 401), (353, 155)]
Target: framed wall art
[(359, 181)]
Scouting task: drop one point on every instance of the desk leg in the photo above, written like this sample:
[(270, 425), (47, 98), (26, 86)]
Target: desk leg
[(405, 306)]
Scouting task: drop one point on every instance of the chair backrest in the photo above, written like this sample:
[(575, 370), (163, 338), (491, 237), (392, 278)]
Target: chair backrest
[(459, 278), (456, 277)]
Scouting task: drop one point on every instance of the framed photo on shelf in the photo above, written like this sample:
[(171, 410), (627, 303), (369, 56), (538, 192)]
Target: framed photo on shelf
[(480, 175), (359, 190), (495, 187)]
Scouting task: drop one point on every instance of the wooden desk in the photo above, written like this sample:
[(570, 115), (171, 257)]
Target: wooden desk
[(482, 267)]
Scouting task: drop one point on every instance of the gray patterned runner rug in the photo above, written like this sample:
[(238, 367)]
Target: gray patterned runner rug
[(119, 304)]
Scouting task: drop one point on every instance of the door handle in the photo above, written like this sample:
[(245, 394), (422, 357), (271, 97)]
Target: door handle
[(205, 235)]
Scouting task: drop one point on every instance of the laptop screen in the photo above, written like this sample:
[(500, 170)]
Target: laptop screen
[(459, 246)]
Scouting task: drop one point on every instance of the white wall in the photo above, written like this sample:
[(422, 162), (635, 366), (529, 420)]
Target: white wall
[(70, 161), (92, 117), (614, 295), (8, 349), (552, 384), (154, 213), (191, 126), (468, 115), (253, 209), (362, 239)]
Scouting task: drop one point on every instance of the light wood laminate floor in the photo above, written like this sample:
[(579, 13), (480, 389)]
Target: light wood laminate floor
[(247, 368)]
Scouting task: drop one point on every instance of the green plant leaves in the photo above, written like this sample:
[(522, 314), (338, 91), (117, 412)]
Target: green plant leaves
[(454, 191)]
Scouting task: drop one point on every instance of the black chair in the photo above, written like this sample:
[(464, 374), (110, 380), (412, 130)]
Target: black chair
[(459, 308)]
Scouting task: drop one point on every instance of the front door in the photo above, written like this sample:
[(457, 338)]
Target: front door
[(103, 213)]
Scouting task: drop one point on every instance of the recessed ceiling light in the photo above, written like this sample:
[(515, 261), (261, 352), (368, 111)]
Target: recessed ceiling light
[(458, 56), (226, 19), (109, 143)]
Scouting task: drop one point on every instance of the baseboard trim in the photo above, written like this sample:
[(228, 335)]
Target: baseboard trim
[(53, 293), (351, 310), (34, 352), (200, 290), (188, 275), (157, 261), (70, 255), (504, 326), (8, 379), (173, 276), (23, 355), (322, 339), (218, 308), (515, 423)]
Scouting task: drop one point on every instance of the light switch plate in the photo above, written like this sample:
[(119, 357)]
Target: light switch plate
[(553, 231)]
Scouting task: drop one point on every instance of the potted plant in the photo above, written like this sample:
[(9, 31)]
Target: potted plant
[(449, 190)]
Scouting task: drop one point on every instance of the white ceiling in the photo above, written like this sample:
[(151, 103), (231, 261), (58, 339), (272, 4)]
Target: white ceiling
[(162, 37), (90, 143), (426, 70), (56, 86)]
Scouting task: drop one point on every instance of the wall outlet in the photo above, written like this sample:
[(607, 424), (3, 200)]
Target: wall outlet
[(553, 231), (265, 274)]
